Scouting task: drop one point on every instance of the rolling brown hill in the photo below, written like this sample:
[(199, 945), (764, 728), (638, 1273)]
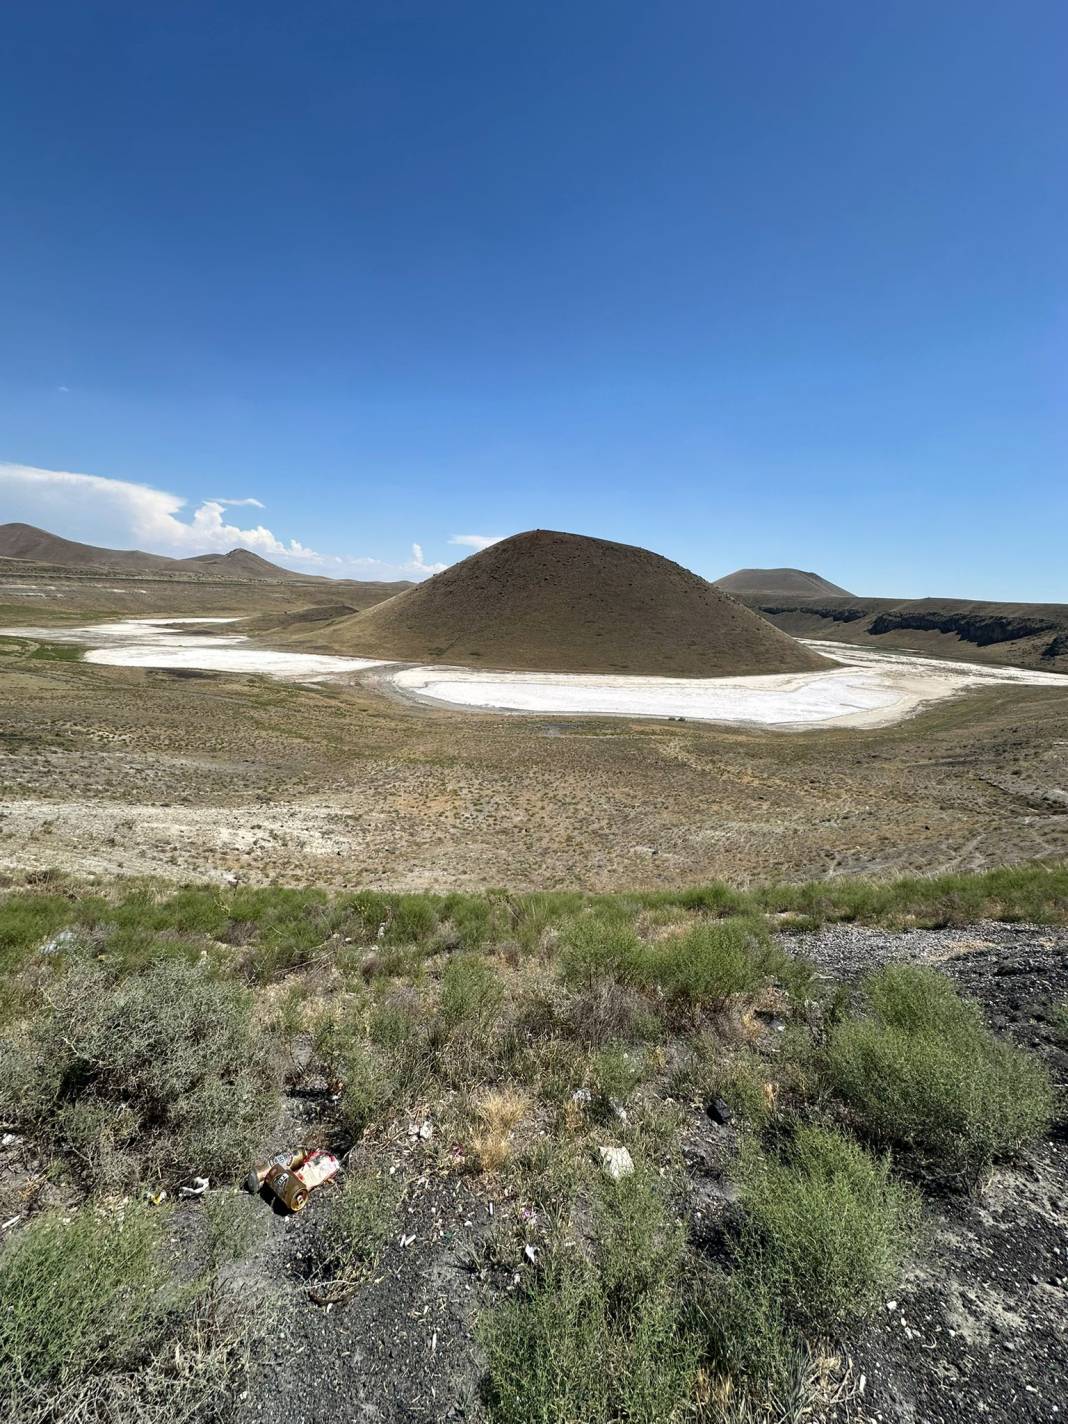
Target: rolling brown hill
[(25, 541), (547, 601), (779, 583)]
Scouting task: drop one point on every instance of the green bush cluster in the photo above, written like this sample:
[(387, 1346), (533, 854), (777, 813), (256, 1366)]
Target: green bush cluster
[(826, 1230), (95, 1325), (921, 1071), (159, 1075), (702, 966), (350, 1235), (603, 1337)]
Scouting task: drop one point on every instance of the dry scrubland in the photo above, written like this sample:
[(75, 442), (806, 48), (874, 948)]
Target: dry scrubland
[(810, 1140), (193, 775), (838, 1095)]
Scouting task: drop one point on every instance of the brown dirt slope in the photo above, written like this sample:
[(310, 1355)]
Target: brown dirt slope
[(25, 541), (1017, 634), (546, 601), (797, 583)]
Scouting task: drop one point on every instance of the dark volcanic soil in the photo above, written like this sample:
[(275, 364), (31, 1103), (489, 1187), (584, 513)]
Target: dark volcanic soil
[(977, 1329), (980, 1327)]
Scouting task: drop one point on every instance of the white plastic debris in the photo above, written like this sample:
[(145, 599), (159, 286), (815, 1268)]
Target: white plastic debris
[(56, 943), (199, 1187), (616, 1162)]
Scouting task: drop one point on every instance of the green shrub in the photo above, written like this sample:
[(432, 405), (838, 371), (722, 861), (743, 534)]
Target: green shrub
[(368, 1089), (754, 1355), (601, 1339), (412, 919), (745, 1083), (826, 1229), (350, 1235), (614, 1074), (922, 1072), (81, 1296), (471, 993), (162, 1073), (701, 967), (95, 1328)]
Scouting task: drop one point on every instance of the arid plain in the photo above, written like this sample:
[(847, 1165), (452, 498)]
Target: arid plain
[(113, 770)]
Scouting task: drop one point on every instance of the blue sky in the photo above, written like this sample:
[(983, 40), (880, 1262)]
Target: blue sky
[(746, 283)]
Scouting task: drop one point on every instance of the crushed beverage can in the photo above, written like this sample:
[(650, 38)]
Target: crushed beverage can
[(256, 1178), (287, 1187)]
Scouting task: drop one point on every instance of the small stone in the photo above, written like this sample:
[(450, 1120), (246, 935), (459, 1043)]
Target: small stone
[(719, 1112), (616, 1162), (891, 1305)]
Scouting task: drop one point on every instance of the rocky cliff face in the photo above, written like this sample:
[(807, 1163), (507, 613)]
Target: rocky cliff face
[(982, 629), (1025, 634)]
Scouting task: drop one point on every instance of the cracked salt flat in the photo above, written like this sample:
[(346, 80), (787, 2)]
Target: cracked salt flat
[(154, 643), (870, 689)]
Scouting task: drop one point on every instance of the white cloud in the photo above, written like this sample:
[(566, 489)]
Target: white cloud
[(123, 514), (476, 541)]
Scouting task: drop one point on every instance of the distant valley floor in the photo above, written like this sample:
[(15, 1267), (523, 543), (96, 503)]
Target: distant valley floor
[(187, 774)]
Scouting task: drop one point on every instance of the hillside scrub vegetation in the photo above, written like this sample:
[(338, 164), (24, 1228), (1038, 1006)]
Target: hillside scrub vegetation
[(780, 1129), (922, 1072)]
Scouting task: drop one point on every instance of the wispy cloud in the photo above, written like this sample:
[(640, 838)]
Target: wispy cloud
[(124, 514), (476, 541)]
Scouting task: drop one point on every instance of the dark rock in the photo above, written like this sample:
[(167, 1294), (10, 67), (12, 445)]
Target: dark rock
[(719, 1112)]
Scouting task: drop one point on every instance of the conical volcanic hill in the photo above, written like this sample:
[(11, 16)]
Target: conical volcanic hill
[(779, 583), (550, 602)]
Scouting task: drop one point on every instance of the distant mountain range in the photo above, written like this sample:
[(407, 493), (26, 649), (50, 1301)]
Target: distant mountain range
[(779, 583), (38, 546)]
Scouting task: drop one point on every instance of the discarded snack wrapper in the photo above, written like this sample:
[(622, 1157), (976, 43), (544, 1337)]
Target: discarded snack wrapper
[(317, 1168)]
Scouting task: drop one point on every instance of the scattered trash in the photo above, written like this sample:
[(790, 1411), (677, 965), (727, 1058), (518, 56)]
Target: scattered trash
[(287, 1187), (424, 1130), (317, 1167), (581, 1095), (156, 1198), (531, 1253), (199, 1187), (256, 1178), (11, 1222), (291, 1176), (407, 1240), (10, 1139), (56, 943), (616, 1162)]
